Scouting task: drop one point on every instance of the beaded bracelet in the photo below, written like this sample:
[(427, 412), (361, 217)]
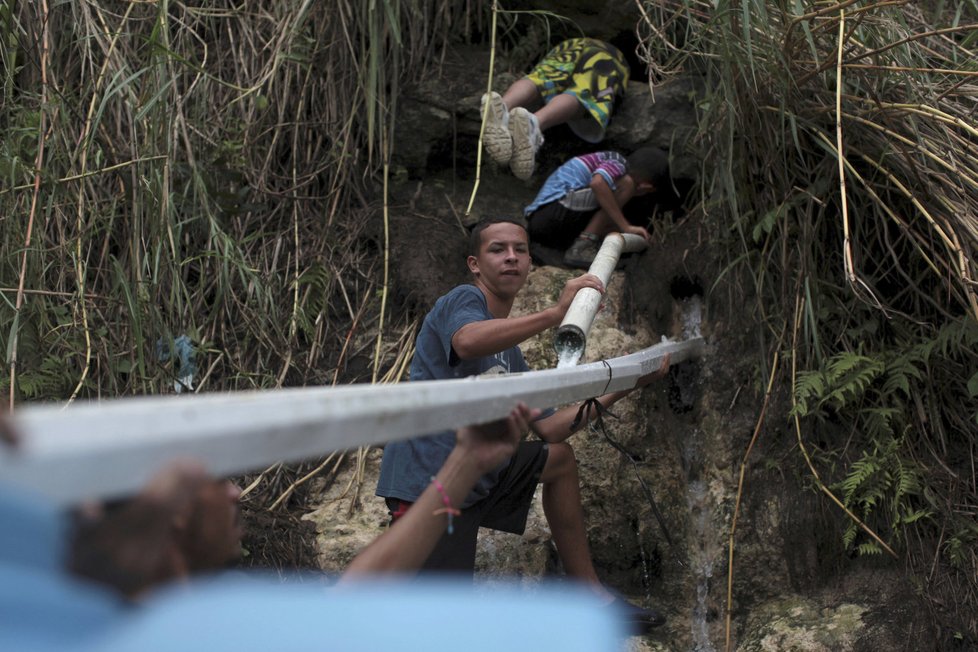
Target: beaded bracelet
[(447, 509)]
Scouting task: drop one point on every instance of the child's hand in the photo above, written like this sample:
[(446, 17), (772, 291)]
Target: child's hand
[(639, 231)]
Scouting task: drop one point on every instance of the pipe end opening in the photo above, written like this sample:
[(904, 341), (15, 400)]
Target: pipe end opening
[(569, 344)]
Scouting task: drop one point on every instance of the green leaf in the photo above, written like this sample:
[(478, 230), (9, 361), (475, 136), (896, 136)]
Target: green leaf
[(973, 385)]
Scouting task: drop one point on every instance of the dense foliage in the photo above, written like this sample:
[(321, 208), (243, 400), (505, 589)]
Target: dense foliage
[(205, 170), (840, 147)]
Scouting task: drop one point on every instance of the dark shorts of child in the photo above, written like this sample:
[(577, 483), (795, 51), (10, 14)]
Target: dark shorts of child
[(505, 508), (593, 71), (556, 226)]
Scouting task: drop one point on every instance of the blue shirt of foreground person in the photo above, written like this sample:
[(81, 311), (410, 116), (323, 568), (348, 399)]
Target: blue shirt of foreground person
[(241, 614), (43, 609)]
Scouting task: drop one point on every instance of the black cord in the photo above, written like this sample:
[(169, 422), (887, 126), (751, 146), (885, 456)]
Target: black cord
[(584, 414)]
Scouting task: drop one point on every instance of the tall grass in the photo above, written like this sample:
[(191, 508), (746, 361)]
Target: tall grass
[(840, 146), (181, 168)]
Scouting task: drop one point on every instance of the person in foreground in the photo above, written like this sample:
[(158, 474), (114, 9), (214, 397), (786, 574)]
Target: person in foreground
[(186, 523), (44, 608), (469, 332)]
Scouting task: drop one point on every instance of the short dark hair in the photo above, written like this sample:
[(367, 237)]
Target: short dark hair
[(475, 238), (649, 164)]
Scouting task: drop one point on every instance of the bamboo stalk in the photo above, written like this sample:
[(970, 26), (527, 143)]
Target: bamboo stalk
[(43, 41), (84, 144), (728, 629), (485, 114), (847, 242)]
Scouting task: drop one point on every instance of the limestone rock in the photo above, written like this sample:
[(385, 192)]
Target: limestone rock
[(344, 526), (419, 127), (601, 20), (795, 624)]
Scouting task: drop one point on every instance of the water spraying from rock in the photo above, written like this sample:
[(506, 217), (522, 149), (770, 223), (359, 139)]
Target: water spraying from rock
[(702, 558), (691, 310)]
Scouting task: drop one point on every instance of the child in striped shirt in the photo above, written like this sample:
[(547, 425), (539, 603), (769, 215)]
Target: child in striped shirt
[(582, 200)]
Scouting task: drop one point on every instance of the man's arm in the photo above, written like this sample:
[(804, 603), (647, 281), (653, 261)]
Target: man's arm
[(478, 449), (611, 203), (489, 337), (557, 427)]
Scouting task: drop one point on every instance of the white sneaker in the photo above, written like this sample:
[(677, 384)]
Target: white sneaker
[(526, 142), (496, 137)]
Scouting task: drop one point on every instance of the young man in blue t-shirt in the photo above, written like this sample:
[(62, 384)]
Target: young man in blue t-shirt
[(469, 332)]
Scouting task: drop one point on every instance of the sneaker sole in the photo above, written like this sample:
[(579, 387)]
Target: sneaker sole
[(524, 153), (496, 137)]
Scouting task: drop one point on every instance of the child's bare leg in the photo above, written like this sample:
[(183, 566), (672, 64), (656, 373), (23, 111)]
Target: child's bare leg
[(562, 506), (522, 93), (559, 110)]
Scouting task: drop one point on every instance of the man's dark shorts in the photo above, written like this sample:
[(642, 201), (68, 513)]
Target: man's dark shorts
[(505, 508), (556, 226)]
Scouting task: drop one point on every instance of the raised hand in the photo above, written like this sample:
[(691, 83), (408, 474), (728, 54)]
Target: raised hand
[(487, 445)]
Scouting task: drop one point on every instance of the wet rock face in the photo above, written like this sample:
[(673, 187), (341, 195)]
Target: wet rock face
[(603, 20)]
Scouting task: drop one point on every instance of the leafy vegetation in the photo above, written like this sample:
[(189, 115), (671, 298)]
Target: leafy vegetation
[(840, 146), (199, 169)]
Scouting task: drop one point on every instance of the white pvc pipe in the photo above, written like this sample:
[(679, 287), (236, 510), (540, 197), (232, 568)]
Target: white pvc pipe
[(572, 334), (108, 449)]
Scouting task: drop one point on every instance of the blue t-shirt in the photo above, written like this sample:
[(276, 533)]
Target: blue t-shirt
[(231, 614), (576, 175), (41, 608), (407, 466)]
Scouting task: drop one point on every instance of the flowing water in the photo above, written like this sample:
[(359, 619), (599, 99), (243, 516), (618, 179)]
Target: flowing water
[(704, 550), (568, 357), (703, 554), (691, 309)]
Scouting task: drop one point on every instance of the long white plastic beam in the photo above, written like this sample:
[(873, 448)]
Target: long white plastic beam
[(110, 449)]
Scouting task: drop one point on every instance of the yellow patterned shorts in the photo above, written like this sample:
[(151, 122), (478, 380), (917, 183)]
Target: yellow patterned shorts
[(593, 71)]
